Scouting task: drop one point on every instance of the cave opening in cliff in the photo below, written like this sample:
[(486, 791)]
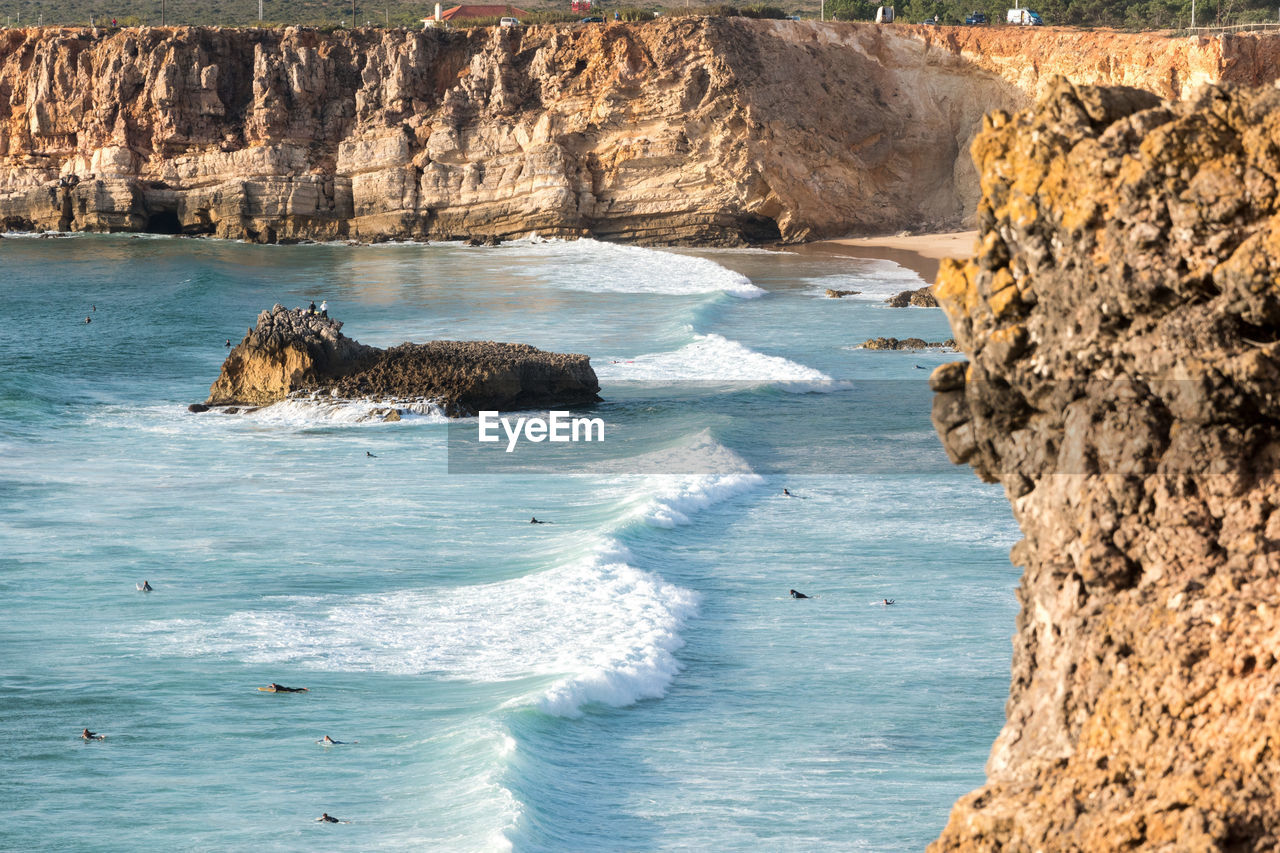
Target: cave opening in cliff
[(163, 222), (760, 229)]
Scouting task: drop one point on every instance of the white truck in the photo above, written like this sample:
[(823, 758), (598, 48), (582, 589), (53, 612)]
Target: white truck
[(1024, 18)]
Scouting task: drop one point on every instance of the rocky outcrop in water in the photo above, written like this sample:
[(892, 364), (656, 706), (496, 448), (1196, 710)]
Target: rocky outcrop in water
[(921, 298), (1122, 322), (906, 344), (682, 130), (295, 351)]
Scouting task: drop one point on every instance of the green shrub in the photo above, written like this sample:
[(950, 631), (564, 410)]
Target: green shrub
[(719, 10), (631, 13), (763, 11), (551, 17)]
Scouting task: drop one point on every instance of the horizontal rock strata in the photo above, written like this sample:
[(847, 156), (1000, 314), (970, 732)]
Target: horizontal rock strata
[(295, 351), (1122, 321), (682, 130)]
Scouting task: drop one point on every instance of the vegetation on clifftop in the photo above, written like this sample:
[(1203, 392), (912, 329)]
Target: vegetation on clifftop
[(1128, 14), (1125, 14)]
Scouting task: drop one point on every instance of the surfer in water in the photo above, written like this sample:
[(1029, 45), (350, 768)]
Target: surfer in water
[(534, 520), (88, 735), (280, 688), (370, 455), (327, 818), (145, 586), (787, 492), (798, 594), (888, 601), (328, 741)]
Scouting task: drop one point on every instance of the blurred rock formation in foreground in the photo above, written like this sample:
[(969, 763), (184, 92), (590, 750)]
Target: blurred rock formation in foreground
[(1122, 321)]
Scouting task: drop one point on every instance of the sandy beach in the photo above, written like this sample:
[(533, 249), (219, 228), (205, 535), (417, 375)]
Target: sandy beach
[(918, 252)]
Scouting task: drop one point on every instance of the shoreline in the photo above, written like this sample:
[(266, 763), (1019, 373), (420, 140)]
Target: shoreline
[(920, 253)]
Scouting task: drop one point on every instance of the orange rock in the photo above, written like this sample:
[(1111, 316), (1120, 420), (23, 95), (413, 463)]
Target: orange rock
[(1126, 397)]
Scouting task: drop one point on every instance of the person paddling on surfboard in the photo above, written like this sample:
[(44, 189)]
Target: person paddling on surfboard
[(88, 735), (328, 741), (534, 520), (280, 688), (796, 594), (888, 601), (145, 586), (327, 818)]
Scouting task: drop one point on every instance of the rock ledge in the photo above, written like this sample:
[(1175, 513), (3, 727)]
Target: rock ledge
[(293, 351)]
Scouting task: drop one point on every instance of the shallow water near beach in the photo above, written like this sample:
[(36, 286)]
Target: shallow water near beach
[(633, 676)]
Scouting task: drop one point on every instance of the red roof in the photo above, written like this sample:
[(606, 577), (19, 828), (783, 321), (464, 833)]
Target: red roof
[(481, 12)]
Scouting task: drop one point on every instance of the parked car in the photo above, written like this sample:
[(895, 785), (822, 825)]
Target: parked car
[(976, 18), (509, 22), (592, 20)]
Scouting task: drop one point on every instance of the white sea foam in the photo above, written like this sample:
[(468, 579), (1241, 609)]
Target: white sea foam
[(299, 412), (669, 500), (605, 630), (292, 414), (718, 359), (876, 280), (679, 497), (612, 268)]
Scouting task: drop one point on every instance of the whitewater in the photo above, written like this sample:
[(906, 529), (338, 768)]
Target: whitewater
[(631, 676)]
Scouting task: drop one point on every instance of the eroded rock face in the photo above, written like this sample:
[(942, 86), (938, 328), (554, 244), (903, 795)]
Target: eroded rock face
[(682, 130), (293, 350), (288, 350), (1123, 326)]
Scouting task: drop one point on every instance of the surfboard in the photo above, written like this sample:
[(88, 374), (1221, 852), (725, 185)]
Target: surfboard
[(294, 690)]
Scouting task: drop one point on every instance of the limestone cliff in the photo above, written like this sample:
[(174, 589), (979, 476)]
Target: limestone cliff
[(294, 350), (707, 130), (1122, 321)]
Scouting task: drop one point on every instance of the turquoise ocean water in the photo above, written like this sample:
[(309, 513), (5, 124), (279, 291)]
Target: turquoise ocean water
[(631, 677)]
